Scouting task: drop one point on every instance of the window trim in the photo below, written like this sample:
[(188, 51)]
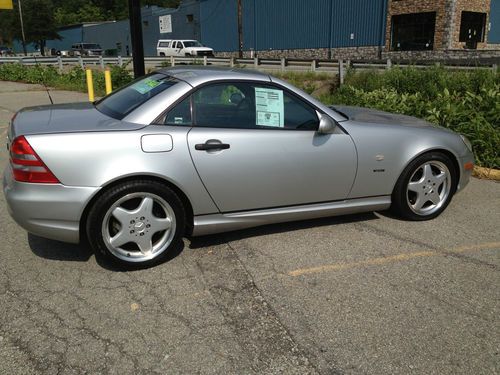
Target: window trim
[(393, 31), (157, 120), (484, 17)]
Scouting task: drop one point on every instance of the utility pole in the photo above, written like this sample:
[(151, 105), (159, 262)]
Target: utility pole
[(240, 30), (22, 27), (134, 13)]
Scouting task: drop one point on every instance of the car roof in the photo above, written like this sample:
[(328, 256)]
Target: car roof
[(196, 76)]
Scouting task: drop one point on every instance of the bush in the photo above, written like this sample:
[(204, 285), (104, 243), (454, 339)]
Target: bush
[(74, 79), (475, 115), (467, 102)]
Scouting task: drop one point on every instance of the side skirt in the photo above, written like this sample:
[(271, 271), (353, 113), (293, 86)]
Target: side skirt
[(217, 223)]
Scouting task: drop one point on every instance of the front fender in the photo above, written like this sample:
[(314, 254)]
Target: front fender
[(384, 151)]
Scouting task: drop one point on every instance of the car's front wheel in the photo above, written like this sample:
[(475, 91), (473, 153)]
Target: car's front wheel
[(136, 223), (425, 187)]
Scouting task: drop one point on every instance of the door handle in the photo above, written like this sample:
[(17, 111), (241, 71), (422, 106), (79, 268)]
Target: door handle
[(211, 145)]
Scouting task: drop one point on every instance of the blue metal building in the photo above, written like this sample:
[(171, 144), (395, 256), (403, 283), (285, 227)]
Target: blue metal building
[(293, 24), (494, 26), (115, 35)]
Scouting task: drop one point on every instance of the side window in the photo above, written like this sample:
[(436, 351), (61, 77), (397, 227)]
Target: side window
[(276, 108), (246, 105), (180, 114), (224, 105), (299, 115)]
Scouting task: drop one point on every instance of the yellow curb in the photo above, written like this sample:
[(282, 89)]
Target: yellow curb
[(486, 173)]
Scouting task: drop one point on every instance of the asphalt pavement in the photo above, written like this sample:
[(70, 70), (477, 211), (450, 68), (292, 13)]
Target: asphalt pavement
[(359, 294)]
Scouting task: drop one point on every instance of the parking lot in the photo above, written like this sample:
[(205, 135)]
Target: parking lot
[(349, 295)]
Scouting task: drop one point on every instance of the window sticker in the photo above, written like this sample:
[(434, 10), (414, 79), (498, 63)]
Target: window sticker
[(269, 107), (178, 120), (146, 85)]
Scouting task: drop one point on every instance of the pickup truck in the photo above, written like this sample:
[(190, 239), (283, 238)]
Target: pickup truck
[(188, 48)]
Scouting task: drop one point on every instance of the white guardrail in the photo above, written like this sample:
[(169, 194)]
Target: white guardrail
[(337, 67)]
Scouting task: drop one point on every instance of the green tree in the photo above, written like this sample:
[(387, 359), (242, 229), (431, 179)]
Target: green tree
[(78, 12), (38, 20)]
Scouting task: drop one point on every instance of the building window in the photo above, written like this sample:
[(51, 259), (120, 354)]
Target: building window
[(413, 32), (472, 26), (189, 18)]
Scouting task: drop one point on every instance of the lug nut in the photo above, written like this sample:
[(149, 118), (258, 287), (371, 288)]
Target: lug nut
[(142, 217), (132, 221), (131, 232), (148, 225), (142, 234)]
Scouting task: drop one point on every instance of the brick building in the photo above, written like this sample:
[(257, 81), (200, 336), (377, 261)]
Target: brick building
[(437, 27)]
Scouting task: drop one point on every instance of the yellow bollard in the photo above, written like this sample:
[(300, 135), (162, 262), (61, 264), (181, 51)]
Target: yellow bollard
[(90, 85), (107, 79)]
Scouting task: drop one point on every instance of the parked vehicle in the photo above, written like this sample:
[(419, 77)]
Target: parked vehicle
[(169, 47), (193, 151), (6, 51), (85, 49)]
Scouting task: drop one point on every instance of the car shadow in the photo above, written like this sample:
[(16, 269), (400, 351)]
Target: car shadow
[(221, 238), (61, 251), (55, 250)]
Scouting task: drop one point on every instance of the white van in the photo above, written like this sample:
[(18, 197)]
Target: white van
[(188, 48)]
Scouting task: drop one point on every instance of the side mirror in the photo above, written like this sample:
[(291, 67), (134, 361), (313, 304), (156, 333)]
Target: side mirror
[(326, 124)]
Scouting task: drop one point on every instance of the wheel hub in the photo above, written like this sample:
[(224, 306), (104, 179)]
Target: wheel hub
[(139, 227)]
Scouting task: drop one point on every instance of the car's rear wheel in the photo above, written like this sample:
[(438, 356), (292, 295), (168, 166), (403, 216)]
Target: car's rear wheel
[(136, 223), (425, 188)]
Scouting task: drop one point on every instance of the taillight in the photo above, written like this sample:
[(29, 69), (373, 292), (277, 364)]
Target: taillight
[(27, 165)]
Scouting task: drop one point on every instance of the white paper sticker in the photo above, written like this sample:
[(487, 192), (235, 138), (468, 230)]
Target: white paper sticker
[(269, 107), (165, 24)]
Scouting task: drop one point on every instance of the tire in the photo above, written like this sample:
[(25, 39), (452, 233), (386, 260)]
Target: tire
[(136, 224), (162, 54), (425, 188)]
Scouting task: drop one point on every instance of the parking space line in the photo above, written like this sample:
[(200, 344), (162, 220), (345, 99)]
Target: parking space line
[(390, 259)]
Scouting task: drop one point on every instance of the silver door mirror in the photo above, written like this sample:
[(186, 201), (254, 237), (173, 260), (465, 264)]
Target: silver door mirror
[(326, 124)]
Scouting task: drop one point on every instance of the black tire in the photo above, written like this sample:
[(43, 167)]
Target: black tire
[(103, 226), (435, 193), (162, 54)]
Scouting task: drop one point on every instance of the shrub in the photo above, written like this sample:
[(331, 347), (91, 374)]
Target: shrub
[(74, 79)]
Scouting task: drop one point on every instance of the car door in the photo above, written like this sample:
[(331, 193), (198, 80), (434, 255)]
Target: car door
[(178, 49), (256, 146)]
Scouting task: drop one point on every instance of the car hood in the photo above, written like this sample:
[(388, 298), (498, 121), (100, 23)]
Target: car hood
[(368, 115), (65, 118)]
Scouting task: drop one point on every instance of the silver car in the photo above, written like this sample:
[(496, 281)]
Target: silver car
[(196, 151)]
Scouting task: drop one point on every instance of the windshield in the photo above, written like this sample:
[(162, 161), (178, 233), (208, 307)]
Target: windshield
[(192, 43), (123, 101), (91, 46)]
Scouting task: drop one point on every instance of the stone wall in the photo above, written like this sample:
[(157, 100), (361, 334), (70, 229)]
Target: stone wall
[(448, 19), (373, 53), (352, 53), (481, 6), (458, 54), (397, 7)]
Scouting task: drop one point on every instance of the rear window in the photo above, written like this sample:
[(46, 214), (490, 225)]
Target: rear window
[(123, 101), (163, 44)]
